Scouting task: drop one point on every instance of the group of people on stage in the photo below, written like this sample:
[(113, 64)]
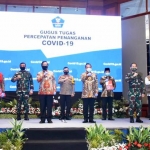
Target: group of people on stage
[(47, 88)]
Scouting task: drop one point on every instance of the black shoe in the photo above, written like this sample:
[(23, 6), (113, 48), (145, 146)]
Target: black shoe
[(42, 122), (68, 118), (49, 121), (18, 117), (92, 121), (111, 119), (149, 118), (103, 118), (85, 121), (26, 117), (139, 120), (131, 119), (60, 118)]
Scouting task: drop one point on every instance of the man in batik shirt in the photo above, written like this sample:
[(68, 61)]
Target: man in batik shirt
[(24, 89), (46, 91), (108, 85), (89, 92), (2, 85)]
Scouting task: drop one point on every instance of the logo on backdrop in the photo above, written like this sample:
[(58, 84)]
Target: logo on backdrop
[(58, 22)]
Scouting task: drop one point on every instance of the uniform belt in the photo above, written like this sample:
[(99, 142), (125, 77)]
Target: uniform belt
[(135, 86)]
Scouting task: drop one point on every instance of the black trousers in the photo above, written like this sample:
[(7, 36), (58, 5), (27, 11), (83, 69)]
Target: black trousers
[(148, 106), (46, 103), (65, 100), (105, 101), (88, 103)]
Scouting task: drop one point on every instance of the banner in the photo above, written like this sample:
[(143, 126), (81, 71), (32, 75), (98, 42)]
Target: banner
[(62, 40)]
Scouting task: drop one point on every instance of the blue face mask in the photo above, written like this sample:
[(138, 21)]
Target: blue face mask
[(107, 73)]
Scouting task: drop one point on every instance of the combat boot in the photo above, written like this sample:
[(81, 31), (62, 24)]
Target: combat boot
[(68, 117), (139, 120), (26, 116), (131, 119), (18, 116)]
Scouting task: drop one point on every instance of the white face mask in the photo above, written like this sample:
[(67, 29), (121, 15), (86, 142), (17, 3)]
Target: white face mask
[(89, 69), (107, 73)]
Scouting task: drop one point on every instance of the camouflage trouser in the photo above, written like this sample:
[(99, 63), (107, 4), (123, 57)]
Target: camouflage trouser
[(22, 99), (135, 102)]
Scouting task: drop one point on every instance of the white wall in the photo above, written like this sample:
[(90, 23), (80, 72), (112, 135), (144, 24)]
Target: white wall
[(133, 48)]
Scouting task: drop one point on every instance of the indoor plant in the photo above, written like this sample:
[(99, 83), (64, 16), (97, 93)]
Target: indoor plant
[(138, 138), (100, 138), (13, 139)]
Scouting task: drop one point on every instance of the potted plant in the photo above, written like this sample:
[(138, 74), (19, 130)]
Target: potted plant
[(100, 138), (138, 138), (13, 139), (120, 108), (3, 139)]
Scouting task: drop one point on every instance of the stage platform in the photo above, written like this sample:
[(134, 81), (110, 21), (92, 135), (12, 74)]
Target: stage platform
[(119, 123), (65, 136)]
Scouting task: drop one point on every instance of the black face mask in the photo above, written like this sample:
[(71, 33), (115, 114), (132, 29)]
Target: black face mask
[(133, 69), (44, 67), (22, 68), (66, 72)]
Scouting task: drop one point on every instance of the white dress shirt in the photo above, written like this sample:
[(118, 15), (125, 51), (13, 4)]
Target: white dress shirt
[(147, 82)]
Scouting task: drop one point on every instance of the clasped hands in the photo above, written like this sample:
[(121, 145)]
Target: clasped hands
[(89, 74), (31, 92), (135, 74), (106, 80), (96, 94), (45, 74), (18, 77), (67, 78)]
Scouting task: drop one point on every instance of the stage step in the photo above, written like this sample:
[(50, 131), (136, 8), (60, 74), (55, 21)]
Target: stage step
[(56, 139), (56, 145), (56, 134)]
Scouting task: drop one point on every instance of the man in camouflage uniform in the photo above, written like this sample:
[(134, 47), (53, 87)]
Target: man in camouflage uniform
[(24, 83), (135, 93)]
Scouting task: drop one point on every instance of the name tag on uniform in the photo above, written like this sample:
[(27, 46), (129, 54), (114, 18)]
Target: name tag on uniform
[(109, 85)]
